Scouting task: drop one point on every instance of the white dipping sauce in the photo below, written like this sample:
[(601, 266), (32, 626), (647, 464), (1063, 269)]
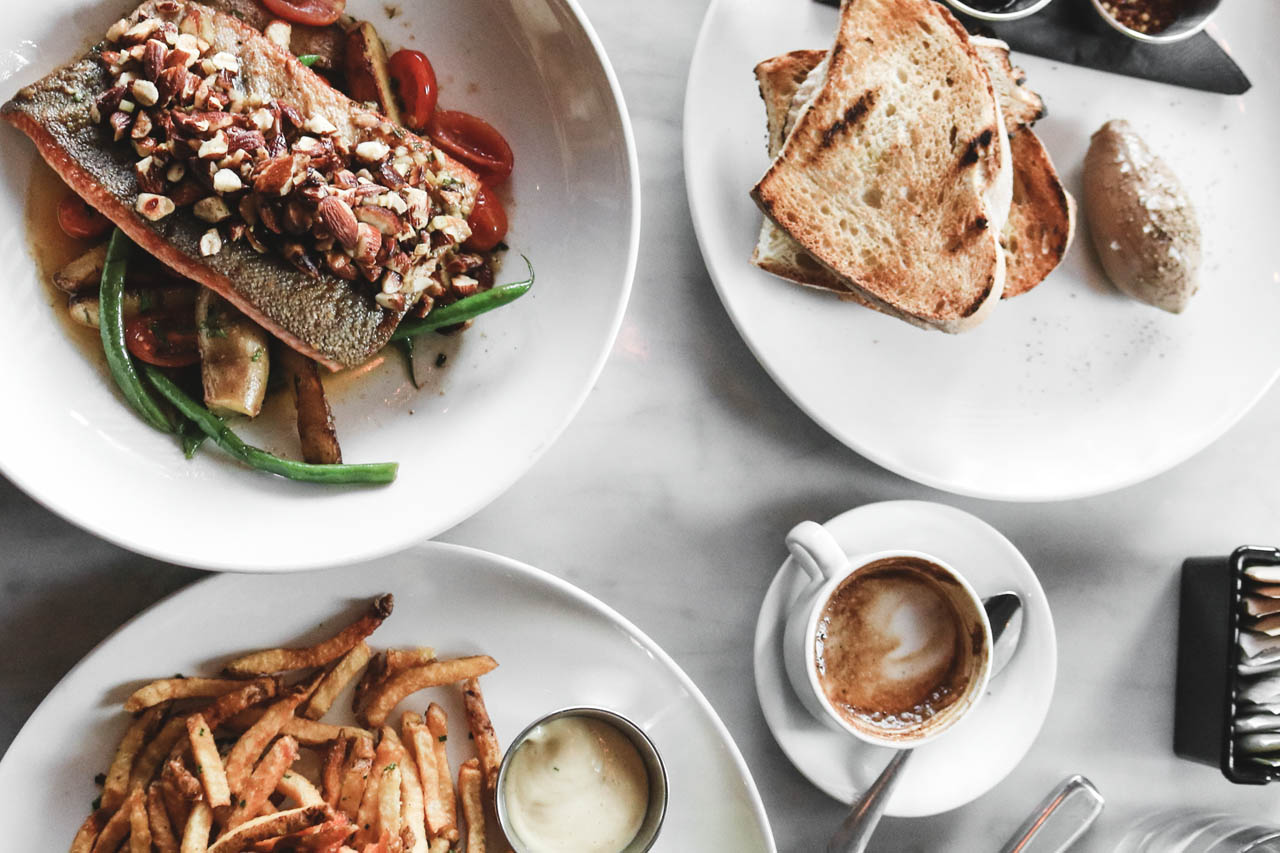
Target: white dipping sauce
[(576, 785)]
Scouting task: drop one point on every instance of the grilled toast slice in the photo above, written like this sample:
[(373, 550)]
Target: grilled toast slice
[(1041, 216), (1020, 106), (892, 176), (775, 252)]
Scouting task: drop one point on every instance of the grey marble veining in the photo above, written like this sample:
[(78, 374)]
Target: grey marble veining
[(668, 498)]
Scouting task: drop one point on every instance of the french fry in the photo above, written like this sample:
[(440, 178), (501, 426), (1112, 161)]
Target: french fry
[(413, 817), (180, 791), (161, 828), (156, 752), (312, 733), (417, 741), (389, 800), (266, 776), (177, 776), (296, 787), (204, 751), (116, 787), (195, 835), (306, 732), (268, 826), (139, 827), (171, 689), (251, 744), (469, 785), (486, 740), (89, 831), (373, 675), (284, 660), (367, 815), (331, 770), (401, 659), (117, 826), (335, 680), (439, 845), (249, 694), (397, 687), (354, 777), (438, 726), (321, 838)]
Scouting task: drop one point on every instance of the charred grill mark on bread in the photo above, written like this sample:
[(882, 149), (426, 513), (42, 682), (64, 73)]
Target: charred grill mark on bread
[(977, 303), (976, 147), (847, 122)]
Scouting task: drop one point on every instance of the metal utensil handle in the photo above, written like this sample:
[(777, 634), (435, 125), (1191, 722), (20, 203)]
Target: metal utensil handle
[(1060, 820), (864, 816)]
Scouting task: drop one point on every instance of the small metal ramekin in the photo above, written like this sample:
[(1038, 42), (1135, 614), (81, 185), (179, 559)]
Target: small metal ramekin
[(647, 834), (1017, 9), (1192, 21)]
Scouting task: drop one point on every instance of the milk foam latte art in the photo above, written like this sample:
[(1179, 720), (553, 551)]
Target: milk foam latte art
[(891, 647)]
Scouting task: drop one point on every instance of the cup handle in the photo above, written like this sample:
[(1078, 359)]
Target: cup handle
[(817, 551)]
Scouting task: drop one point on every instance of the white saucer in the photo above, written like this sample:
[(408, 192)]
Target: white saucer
[(980, 750)]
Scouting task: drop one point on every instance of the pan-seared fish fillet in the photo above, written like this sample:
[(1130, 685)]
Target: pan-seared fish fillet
[(895, 176), (335, 321)]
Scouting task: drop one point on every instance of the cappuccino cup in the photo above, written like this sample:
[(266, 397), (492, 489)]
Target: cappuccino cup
[(893, 647)]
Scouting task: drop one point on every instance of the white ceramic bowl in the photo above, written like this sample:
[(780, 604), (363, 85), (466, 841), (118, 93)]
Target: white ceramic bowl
[(536, 70), (1192, 20), (1016, 10)]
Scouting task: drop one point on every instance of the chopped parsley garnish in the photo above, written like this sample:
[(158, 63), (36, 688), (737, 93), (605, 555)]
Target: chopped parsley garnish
[(309, 59)]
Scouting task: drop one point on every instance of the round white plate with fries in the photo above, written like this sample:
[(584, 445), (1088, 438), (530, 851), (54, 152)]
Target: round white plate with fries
[(492, 398), (535, 642)]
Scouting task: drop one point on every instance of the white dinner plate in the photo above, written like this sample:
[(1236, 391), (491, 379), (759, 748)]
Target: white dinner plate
[(556, 646), (510, 384), (1067, 391), (980, 750)]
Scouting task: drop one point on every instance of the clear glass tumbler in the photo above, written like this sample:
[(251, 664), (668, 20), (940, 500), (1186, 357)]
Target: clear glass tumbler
[(1200, 832)]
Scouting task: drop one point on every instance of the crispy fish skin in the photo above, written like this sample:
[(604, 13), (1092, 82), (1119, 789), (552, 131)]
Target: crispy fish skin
[(326, 318)]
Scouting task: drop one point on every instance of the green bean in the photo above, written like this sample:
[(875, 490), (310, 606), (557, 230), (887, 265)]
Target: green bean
[(466, 308), (308, 59), (212, 426), (111, 327), (405, 345), (191, 437)]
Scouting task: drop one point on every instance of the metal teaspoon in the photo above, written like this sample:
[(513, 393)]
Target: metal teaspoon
[(1004, 612)]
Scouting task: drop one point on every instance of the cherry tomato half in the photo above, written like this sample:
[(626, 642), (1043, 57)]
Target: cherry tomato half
[(79, 220), (415, 82), (473, 142), (161, 339), (488, 222), (315, 13)]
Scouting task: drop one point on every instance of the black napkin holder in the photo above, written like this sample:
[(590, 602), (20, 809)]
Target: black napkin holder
[(1208, 638)]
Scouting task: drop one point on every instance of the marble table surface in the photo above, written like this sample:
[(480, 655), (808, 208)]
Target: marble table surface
[(668, 498)]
